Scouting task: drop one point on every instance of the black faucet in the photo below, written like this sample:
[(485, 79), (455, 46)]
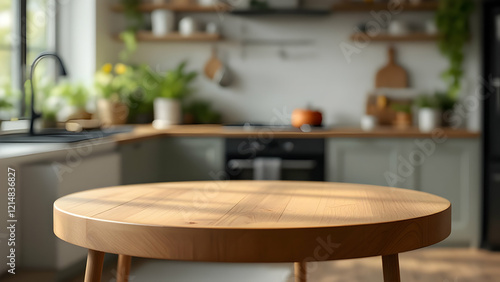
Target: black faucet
[(35, 115)]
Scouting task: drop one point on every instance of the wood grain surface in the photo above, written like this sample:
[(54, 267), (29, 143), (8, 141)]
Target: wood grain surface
[(144, 132), (252, 221)]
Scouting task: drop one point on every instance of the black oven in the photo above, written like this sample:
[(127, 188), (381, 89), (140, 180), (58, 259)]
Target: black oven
[(275, 159)]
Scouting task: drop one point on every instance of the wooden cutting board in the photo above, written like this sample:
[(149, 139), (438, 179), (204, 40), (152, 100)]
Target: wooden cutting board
[(391, 75)]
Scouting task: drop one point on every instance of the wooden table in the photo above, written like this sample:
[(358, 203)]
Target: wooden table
[(250, 221)]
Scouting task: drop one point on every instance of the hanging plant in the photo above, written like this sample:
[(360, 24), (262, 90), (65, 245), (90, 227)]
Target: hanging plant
[(135, 21), (452, 20)]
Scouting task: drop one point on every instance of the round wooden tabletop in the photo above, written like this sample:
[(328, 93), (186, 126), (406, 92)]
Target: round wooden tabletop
[(252, 221)]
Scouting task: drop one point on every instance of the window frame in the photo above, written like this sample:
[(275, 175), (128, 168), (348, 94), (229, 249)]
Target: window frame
[(19, 49)]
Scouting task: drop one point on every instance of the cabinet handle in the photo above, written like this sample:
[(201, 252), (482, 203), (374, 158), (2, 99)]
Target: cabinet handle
[(285, 164)]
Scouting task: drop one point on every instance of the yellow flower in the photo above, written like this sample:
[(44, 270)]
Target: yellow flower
[(120, 68), (107, 68)]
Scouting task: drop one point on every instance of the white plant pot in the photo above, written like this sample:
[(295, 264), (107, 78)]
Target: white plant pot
[(428, 119), (167, 112), (162, 22)]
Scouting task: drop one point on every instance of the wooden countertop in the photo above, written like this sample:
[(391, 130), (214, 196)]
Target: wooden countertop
[(142, 132)]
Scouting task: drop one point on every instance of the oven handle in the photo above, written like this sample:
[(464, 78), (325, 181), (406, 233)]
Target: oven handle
[(285, 164)]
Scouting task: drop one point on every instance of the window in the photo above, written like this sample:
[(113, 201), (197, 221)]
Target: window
[(27, 27)]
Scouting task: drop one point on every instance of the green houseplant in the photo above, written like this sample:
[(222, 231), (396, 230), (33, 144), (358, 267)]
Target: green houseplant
[(452, 21), (135, 21), (114, 86), (169, 90), (75, 95), (200, 112)]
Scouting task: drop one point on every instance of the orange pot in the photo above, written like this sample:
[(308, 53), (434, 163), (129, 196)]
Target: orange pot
[(306, 116)]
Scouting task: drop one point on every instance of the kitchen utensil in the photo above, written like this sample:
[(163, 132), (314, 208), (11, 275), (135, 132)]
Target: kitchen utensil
[(162, 22), (391, 75), (188, 26), (216, 71), (213, 65)]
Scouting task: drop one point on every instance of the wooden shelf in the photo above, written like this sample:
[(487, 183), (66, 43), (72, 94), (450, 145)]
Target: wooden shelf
[(147, 36), (377, 6), (149, 7), (399, 38), (298, 12)]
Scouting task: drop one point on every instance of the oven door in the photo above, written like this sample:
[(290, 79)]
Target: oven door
[(291, 169)]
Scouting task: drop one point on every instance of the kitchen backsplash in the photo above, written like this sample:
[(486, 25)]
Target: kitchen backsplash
[(272, 80)]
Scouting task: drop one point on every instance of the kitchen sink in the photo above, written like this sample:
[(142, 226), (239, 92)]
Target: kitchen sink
[(62, 136)]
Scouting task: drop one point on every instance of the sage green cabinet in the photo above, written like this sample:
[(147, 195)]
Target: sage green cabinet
[(452, 171), (140, 161), (445, 167), (363, 160), (190, 159)]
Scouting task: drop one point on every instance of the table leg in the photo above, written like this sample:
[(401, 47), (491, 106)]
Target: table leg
[(300, 272), (123, 269), (93, 271), (390, 266)]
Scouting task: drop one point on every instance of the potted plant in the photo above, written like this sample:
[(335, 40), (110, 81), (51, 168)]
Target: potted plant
[(200, 112), (452, 21), (114, 85), (428, 112), (74, 95), (403, 115), (169, 89)]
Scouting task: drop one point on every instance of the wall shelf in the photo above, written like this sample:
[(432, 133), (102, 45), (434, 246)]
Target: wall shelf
[(395, 38), (149, 7), (147, 36), (377, 6), (272, 12)]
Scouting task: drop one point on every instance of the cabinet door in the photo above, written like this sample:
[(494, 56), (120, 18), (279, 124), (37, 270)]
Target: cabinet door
[(140, 162), (189, 159), (365, 161), (41, 185), (452, 172)]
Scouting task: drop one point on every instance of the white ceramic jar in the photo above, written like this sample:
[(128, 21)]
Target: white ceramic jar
[(162, 22), (187, 26)]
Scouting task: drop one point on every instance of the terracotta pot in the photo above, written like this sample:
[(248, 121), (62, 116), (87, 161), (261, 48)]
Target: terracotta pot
[(112, 113), (403, 120), (306, 116)]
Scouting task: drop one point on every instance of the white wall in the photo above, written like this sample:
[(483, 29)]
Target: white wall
[(318, 74), (77, 38)]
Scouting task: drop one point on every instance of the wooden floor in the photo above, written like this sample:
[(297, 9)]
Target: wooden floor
[(428, 265)]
